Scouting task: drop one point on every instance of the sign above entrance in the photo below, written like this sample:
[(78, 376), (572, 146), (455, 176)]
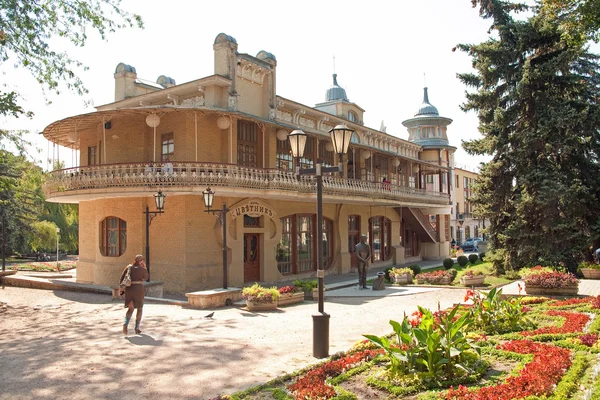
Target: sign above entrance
[(252, 208)]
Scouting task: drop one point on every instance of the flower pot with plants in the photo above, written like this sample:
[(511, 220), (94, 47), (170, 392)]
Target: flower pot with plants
[(472, 277), (551, 283), (440, 277), (259, 298), (289, 295), (401, 275), (310, 288), (590, 270)]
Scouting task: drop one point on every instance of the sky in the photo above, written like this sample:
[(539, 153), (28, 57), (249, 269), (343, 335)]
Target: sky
[(385, 52)]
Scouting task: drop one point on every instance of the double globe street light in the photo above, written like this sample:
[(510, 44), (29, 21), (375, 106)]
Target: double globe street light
[(340, 138)]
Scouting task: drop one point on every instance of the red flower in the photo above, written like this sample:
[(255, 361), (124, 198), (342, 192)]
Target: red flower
[(469, 294)]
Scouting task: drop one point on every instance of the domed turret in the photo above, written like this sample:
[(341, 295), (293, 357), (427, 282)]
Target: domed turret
[(427, 128), (426, 108), (336, 92)]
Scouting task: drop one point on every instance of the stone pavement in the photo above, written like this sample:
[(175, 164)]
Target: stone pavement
[(61, 344)]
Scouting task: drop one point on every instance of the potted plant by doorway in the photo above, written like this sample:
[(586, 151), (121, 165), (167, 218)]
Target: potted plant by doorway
[(590, 270), (259, 298)]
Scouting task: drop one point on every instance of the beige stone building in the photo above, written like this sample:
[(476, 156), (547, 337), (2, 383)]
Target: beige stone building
[(228, 131), (463, 223)]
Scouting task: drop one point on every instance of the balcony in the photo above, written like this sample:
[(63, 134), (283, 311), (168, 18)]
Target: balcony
[(84, 183)]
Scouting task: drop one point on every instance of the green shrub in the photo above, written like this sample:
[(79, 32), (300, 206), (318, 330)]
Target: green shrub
[(448, 263), (482, 256), (416, 268), (387, 272), (473, 258), (453, 272), (462, 260), (306, 285)]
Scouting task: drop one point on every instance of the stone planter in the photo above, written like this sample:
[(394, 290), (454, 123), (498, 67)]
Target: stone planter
[(255, 306), (444, 281), (563, 291), (475, 280), (313, 294), (291, 298), (402, 279), (590, 273)]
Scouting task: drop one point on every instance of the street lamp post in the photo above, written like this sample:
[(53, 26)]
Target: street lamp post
[(159, 199), (3, 240), (340, 138), (57, 237), (209, 196)]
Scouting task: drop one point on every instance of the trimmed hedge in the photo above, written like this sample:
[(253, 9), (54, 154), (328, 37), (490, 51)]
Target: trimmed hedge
[(416, 269), (462, 260), (448, 263), (473, 258)]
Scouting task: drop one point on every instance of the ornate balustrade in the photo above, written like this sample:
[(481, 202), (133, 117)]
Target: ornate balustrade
[(223, 175)]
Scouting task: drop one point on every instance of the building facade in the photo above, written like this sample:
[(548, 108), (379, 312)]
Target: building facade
[(463, 222), (228, 131)]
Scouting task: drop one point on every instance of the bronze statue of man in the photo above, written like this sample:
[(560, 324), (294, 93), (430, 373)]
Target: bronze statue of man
[(362, 251)]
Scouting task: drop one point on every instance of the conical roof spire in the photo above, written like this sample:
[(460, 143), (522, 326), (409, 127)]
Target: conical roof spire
[(336, 92), (426, 108)]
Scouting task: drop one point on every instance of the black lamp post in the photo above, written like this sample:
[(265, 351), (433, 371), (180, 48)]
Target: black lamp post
[(209, 196), (340, 138), (3, 239), (159, 199)]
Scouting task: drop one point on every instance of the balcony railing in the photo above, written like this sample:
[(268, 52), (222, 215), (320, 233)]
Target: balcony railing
[(223, 175)]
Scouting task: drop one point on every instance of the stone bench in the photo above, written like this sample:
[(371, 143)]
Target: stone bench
[(214, 297), (151, 289)]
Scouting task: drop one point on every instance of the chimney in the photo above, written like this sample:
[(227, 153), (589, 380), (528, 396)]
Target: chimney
[(125, 77)]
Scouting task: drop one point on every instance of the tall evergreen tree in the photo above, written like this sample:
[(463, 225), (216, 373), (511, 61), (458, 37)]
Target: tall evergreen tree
[(536, 95)]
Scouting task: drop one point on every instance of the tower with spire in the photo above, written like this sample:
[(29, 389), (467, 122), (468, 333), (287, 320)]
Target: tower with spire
[(337, 103), (427, 127)]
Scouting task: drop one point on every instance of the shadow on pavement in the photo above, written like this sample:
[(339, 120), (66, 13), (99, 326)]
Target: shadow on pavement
[(144, 340)]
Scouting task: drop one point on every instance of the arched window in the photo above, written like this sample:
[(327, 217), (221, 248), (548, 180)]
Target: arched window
[(380, 238), (113, 241), (352, 117), (297, 250)]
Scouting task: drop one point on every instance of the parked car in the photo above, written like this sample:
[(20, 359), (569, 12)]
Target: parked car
[(471, 244)]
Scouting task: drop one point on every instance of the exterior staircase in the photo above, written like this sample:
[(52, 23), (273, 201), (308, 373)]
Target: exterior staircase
[(419, 223)]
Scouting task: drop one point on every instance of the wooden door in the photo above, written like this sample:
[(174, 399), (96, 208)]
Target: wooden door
[(251, 258)]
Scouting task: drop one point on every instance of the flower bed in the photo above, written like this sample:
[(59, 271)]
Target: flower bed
[(537, 378), (447, 354)]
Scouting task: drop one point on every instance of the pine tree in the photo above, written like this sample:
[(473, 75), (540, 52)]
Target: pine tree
[(536, 95)]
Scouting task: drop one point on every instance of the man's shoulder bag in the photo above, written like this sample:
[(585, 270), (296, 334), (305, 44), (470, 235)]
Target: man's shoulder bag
[(126, 282)]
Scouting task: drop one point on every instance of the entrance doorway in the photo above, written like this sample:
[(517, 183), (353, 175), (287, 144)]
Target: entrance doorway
[(251, 258)]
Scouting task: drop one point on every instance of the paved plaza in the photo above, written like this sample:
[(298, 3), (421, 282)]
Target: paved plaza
[(63, 344)]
